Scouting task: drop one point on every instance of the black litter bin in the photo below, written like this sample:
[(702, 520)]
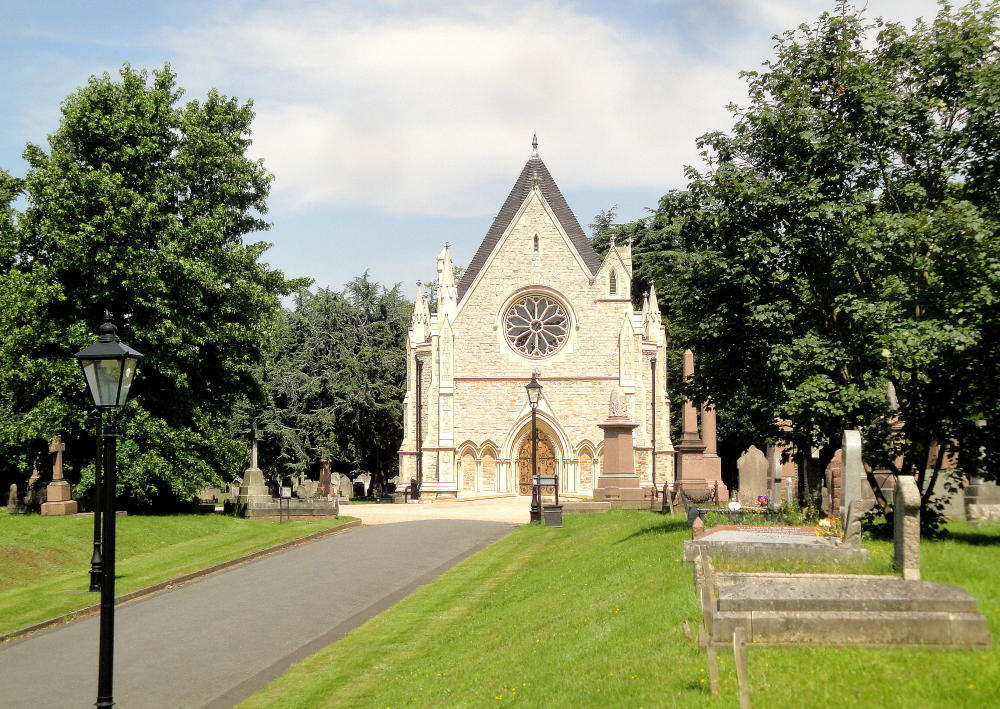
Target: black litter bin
[(552, 515)]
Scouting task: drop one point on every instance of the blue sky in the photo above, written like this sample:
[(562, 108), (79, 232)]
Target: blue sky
[(392, 127)]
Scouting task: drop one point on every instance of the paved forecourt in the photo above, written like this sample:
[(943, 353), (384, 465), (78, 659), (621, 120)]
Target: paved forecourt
[(214, 642)]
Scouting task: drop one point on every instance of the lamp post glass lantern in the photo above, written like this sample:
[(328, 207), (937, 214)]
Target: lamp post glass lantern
[(534, 390), (109, 367)]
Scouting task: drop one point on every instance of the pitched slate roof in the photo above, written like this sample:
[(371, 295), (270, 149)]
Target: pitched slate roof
[(556, 201)]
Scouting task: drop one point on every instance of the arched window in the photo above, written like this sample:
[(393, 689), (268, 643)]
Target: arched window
[(536, 242), (613, 282)]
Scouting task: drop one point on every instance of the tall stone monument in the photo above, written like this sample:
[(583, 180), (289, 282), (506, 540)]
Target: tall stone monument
[(58, 492), (618, 482), (253, 492), (700, 468)]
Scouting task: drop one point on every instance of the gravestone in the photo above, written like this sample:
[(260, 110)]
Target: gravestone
[(853, 481), (366, 480), (906, 527), (852, 520), (325, 478), (834, 475), (789, 491), (210, 494), (35, 493), (14, 505), (982, 500), (346, 487), (59, 495), (752, 467), (234, 487)]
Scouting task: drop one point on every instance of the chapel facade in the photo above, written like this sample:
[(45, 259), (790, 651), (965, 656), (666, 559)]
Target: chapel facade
[(536, 298)]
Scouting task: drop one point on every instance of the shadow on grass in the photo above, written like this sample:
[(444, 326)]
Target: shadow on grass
[(667, 526), (976, 539)]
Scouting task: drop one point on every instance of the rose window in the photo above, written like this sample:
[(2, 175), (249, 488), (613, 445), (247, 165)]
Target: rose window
[(536, 326)]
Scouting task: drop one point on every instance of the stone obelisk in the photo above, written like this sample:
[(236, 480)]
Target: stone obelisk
[(58, 492), (700, 468)]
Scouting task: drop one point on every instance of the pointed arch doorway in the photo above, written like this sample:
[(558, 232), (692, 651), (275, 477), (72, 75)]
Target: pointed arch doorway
[(546, 461)]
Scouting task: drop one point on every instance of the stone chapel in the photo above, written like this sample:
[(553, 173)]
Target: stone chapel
[(536, 298)]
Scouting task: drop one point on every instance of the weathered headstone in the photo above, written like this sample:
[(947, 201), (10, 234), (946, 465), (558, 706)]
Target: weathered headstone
[(366, 480), (852, 520), (789, 491), (14, 504), (834, 476), (853, 481), (209, 494), (234, 487), (906, 527), (752, 467), (346, 487), (35, 493)]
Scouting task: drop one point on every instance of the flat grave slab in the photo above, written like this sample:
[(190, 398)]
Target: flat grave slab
[(827, 609), (757, 543)]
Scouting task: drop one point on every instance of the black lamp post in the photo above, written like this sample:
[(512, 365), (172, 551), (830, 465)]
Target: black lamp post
[(109, 366), (534, 390), (652, 364), (95, 559)]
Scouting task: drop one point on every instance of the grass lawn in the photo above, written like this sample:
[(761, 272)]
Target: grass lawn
[(590, 616), (45, 561)]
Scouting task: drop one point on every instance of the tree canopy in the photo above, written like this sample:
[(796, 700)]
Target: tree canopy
[(140, 205), (842, 237), (335, 380)]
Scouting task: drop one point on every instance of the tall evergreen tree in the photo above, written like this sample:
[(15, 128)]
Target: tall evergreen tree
[(336, 379)]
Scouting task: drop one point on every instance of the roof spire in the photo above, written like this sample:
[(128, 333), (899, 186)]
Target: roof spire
[(534, 145)]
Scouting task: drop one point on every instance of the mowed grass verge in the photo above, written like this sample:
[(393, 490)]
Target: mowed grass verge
[(591, 615), (45, 561)]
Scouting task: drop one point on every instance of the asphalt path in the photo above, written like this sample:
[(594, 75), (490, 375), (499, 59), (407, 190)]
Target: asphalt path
[(216, 641)]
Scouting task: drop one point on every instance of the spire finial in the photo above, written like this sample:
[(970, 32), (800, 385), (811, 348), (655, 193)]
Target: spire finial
[(534, 145)]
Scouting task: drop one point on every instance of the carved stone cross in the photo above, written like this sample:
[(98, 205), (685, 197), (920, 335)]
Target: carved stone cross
[(57, 446)]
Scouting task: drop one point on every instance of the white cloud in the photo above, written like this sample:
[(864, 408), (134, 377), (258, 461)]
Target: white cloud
[(420, 110)]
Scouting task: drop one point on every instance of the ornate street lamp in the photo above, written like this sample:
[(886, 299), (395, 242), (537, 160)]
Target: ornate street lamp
[(534, 390), (652, 364), (109, 366)]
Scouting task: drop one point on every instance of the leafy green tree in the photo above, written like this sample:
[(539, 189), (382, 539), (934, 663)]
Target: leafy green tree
[(140, 205), (844, 236)]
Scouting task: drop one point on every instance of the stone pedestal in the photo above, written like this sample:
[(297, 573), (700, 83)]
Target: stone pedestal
[(698, 472), (253, 492), (60, 499), (618, 483)]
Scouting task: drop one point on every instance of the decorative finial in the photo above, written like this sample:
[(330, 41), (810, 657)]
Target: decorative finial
[(108, 330), (534, 145), (447, 244)]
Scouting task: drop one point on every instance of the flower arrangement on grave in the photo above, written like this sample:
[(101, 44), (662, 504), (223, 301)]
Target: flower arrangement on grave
[(828, 527), (763, 500)]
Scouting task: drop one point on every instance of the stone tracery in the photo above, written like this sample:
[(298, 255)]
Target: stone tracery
[(536, 326)]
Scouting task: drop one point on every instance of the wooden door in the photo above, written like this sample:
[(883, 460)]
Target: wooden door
[(546, 462)]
